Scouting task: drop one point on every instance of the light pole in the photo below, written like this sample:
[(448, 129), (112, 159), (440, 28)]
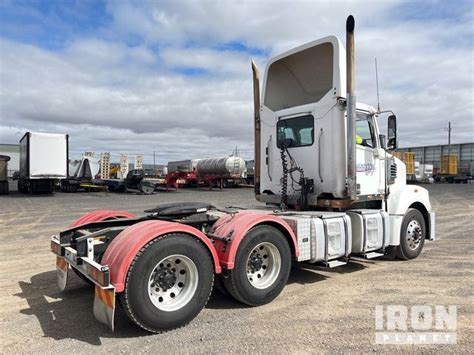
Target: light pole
[(449, 137)]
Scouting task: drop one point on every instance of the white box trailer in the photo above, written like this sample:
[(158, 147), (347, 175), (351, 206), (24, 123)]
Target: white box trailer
[(43, 159)]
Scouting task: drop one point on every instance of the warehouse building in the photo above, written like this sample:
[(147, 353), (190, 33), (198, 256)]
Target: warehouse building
[(431, 154), (13, 151)]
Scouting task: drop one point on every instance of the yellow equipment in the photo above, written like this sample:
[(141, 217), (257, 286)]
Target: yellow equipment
[(409, 159), (410, 162), (449, 164)]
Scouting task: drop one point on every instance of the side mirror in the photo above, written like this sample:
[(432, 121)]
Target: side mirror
[(383, 143), (392, 133)]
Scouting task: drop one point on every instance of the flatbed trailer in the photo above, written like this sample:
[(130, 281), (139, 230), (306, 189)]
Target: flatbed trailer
[(176, 179), (134, 182)]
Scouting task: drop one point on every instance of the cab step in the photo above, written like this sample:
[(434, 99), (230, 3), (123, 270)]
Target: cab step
[(335, 263), (373, 255)]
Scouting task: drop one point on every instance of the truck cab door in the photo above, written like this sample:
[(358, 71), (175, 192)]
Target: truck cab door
[(368, 162)]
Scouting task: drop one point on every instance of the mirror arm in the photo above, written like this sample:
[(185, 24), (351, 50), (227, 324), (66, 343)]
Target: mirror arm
[(385, 111)]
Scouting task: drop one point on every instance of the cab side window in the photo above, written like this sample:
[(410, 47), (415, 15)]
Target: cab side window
[(295, 132), (365, 133)]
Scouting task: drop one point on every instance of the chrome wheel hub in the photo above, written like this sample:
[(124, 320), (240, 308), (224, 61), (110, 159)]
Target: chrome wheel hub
[(263, 265), (173, 282), (413, 234)]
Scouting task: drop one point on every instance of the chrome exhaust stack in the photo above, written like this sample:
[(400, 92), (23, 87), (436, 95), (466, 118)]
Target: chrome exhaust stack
[(351, 110), (256, 110)]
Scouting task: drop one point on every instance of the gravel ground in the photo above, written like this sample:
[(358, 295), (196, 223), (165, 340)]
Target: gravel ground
[(319, 310)]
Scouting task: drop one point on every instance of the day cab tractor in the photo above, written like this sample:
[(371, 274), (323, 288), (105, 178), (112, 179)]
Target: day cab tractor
[(339, 197)]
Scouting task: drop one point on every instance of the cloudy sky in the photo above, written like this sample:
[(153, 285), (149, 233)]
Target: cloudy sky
[(174, 76)]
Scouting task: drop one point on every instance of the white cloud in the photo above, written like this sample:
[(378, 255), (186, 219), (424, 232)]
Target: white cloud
[(110, 96), (217, 62)]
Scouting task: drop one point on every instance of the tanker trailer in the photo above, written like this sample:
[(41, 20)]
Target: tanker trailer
[(223, 171)]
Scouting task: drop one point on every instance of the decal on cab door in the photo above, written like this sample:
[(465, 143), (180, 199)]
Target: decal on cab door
[(364, 168)]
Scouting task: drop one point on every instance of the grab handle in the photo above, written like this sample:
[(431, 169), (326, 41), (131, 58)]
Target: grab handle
[(319, 154), (268, 158)]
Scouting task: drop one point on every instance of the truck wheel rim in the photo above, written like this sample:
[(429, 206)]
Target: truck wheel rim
[(173, 283), (414, 234), (263, 265)]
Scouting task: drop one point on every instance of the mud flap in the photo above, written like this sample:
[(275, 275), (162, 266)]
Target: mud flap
[(61, 269), (104, 306)]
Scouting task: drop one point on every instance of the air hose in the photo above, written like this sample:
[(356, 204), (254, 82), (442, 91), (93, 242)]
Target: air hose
[(284, 180)]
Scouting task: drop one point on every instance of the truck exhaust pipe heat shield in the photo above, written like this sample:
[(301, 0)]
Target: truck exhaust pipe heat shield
[(351, 110)]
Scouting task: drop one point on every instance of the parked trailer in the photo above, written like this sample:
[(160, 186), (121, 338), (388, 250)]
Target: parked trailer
[(250, 166), (43, 160), (183, 166), (232, 166), (82, 172), (161, 266), (135, 181), (181, 172), (222, 171), (4, 159)]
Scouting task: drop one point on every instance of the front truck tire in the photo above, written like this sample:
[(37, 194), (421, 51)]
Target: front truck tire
[(168, 283), (412, 235), (262, 267)]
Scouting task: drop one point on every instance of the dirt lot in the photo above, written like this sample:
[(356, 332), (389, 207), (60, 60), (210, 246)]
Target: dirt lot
[(319, 311)]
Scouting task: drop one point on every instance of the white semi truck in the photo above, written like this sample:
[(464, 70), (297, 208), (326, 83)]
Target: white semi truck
[(43, 160), (424, 173), (319, 155)]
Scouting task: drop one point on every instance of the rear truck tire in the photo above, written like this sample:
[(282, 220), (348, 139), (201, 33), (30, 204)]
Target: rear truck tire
[(32, 187), (69, 187), (262, 267), (412, 235), (20, 186), (4, 188), (168, 283)]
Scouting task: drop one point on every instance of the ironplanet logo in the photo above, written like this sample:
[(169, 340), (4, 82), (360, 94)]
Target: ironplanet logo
[(418, 324)]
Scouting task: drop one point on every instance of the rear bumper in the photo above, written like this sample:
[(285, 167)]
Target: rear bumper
[(104, 300), (95, 272)]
